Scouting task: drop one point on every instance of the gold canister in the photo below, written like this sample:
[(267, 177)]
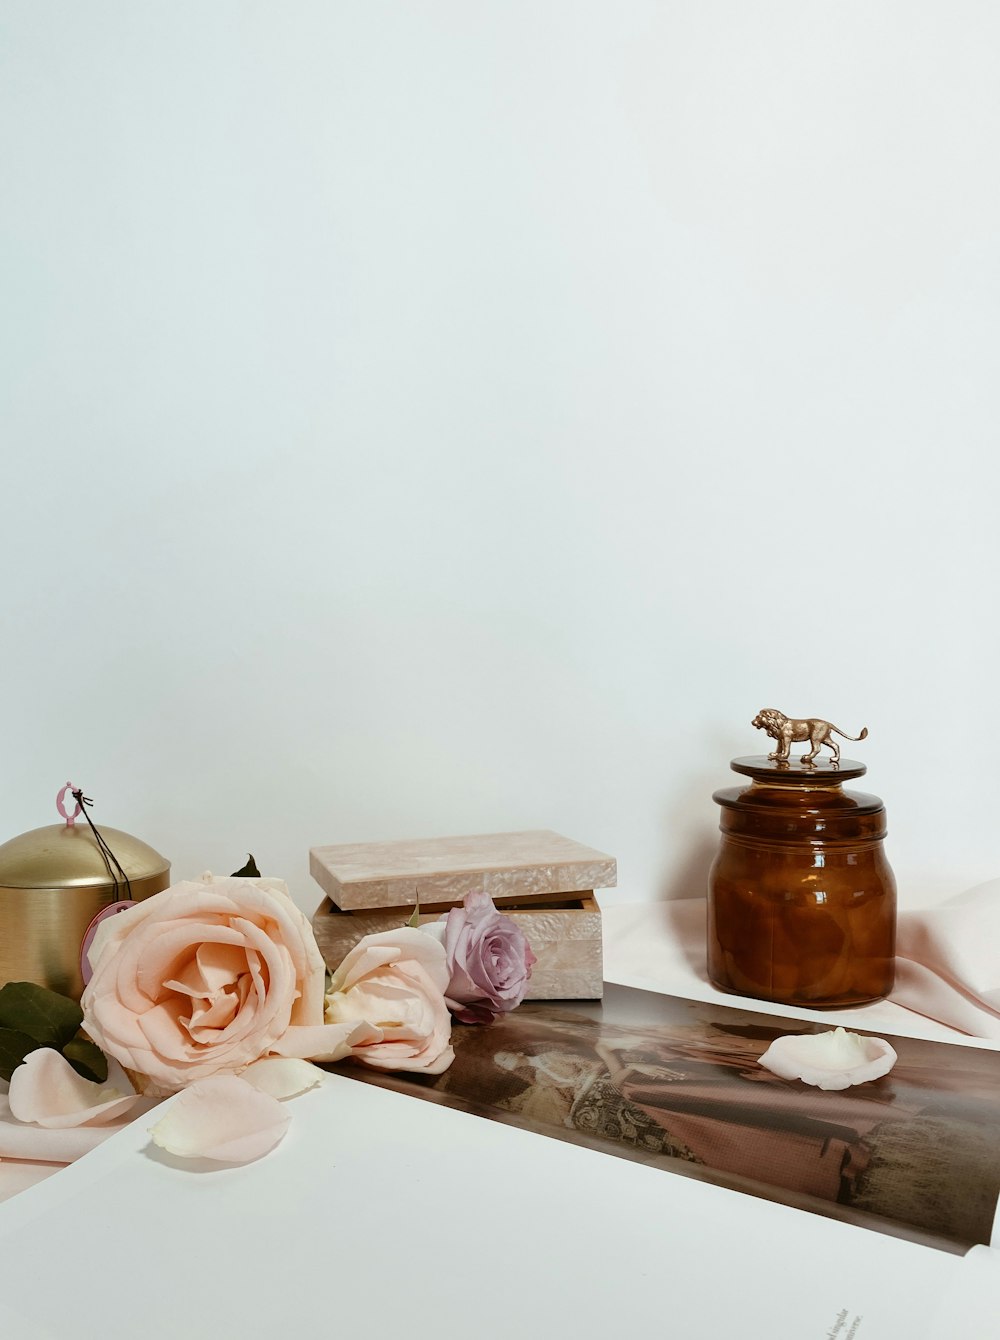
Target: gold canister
[(53, 882)]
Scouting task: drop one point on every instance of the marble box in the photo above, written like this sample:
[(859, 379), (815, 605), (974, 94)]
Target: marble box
[(566, 941), (541, 879)]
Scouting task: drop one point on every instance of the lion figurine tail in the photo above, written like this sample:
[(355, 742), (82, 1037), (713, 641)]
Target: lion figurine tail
[(862, 736)]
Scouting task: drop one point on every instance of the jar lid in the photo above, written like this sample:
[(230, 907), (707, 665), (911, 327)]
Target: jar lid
[(795, 772), (67, 856)]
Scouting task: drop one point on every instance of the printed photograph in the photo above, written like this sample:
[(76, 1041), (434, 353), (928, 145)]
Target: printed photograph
[(915, 1153)]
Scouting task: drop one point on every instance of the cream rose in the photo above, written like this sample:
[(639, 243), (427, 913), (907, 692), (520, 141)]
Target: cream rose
[(208, 977), (396, 980)]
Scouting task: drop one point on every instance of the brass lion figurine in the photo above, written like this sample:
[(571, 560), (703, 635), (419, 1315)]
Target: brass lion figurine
[(789, 730)]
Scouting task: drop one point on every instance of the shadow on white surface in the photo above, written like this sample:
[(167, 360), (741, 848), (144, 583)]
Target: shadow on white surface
[(199, 1167)]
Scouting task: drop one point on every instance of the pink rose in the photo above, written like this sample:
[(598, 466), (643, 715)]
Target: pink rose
[(489, 959), (395, 981), (208, 977)]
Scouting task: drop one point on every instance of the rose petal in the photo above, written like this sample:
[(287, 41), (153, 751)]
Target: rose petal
[(213, 967), (396, 1056), (27, 1140), (46, 1090), (387, 947), (325, 1042), (835, 1059), (471, 1014), (222, 1118), (282, 1076), (435, 929)]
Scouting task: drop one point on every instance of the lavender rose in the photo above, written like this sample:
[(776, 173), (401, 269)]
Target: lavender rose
[(488, 958)]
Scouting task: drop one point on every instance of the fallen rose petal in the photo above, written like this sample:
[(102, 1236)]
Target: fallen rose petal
[(835, 1059), (282, 1076), (46, 1090), (222, 1118)]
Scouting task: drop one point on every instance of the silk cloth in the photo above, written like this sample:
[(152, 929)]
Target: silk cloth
[(948, 962), (30, 1153)]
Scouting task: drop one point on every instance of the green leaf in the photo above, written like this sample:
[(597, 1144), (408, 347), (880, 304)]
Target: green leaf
[(86, 1059), (14, 1047), (414, 921), (249, 871), (44, 1015)]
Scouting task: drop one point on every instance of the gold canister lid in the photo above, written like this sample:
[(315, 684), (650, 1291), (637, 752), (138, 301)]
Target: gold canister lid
[(64, 856), (54, 881)]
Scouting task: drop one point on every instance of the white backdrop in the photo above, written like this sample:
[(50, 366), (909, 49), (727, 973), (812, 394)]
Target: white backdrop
[(451, 417)]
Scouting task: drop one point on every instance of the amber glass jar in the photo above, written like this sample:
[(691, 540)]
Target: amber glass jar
[(801, 899)]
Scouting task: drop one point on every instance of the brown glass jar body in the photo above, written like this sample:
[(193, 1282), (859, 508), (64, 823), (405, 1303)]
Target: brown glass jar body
[(802, 901)]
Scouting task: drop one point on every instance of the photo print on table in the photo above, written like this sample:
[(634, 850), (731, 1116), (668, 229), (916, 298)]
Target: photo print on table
[(915, 1154)]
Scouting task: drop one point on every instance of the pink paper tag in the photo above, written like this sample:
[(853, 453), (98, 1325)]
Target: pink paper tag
[(61, 806), (86, 972)]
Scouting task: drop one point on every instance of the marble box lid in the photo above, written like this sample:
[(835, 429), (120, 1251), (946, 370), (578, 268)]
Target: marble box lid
[(510, 867)]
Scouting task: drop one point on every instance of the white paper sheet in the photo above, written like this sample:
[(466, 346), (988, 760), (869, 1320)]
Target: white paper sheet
[(381, 1215)]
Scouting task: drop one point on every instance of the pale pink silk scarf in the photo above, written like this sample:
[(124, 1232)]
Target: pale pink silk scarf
[(948, 962)]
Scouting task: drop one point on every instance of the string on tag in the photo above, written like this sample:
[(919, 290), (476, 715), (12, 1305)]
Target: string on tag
[(110, 859)]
